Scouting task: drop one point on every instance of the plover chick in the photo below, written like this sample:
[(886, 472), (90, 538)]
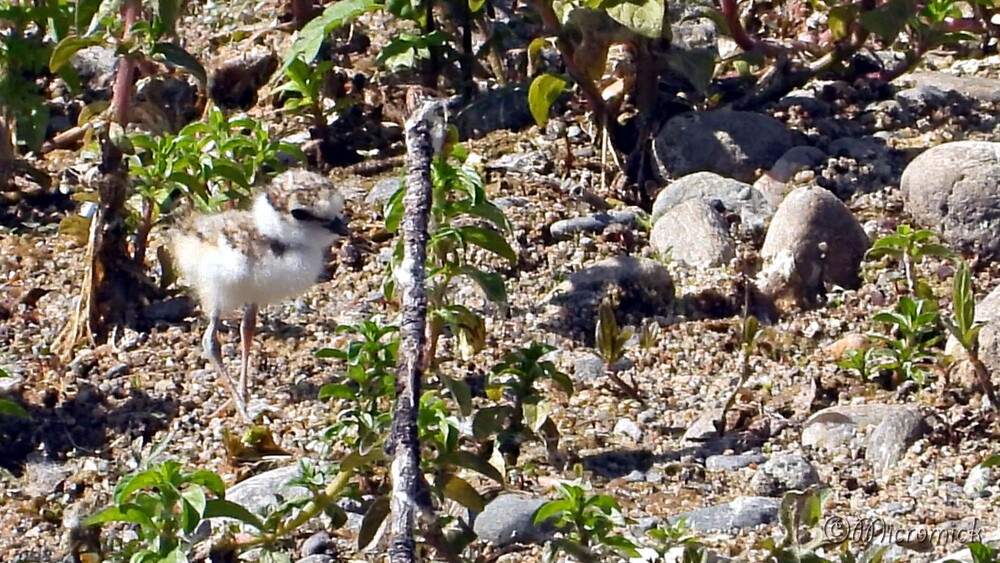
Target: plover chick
[(253, 258)]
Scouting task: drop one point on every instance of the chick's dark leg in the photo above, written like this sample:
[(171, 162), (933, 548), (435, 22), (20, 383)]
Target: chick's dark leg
[(247, 328), (212, 351)]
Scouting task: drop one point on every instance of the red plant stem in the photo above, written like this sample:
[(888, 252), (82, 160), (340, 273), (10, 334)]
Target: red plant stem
[(731, 14), (123, 80)]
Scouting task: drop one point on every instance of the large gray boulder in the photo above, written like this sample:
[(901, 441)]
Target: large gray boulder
[(694, 234), (813, 240), (734, 196), (731, 143), (954, 190), (885, 431), (977, 87), (508, 519)]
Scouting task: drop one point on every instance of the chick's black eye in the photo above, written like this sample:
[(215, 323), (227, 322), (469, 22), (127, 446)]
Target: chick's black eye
[(303, 215)]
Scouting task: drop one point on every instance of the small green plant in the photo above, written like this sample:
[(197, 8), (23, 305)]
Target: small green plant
[(667, 537), (649, 334), (749, 337), (167, 503), (981, 553), (610, 341), (588, 524), (805, 533), (910, 247), (914, 330), (9, 407), (963, 326), (305, 90), (462, 218), (861, 362), (517, 377), (367, 386)]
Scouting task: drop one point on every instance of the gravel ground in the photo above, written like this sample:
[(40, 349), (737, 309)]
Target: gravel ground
[(94, 417)]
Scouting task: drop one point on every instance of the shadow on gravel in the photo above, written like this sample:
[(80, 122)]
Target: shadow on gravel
[(614, 464), (82, 425)]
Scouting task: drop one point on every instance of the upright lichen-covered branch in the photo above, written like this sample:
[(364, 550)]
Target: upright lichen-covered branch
[(424, 135)]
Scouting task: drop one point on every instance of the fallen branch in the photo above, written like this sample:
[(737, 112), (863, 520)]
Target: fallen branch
[(425, 132)]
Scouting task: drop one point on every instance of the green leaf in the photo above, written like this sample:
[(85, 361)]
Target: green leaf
[(393, 210), (10, 408), (144, 480), (65, 49), (83, 14), (696, 65), (489, 421), (487, 239), (839, 19), (210, 480), (545, 89), (372, 521), (337, 390), (551, 510), (217, 507), (312, 35), (491, 283), (888, 20), (476, 5), (175, 556), (992, 461), (471, 461), (180, 58), (124, 513), (167, 11), (644, 17), (460, 491), (461, 392)]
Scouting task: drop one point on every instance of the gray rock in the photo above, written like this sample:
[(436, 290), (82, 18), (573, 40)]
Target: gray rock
[(96, 69), (795, 264), (807, 100), (506, 203), (508, 519), (979, 479), (888, 443), (501, 108), (717, 463), (734, 196), (382, 191), (796, 159), (887, 430), (635, 476), (318, 559), (980, 88), (644, 288), (319, 543), (952, 190), (588, 367), (626, 427), (858, 148), (773, 184), (704, 427), (596, 223), (695, 234), (731, 143), (741, 512), (261, 491), (783, 473), (922, 96)]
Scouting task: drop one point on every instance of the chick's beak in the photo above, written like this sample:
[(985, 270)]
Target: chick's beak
[(337, 226)]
